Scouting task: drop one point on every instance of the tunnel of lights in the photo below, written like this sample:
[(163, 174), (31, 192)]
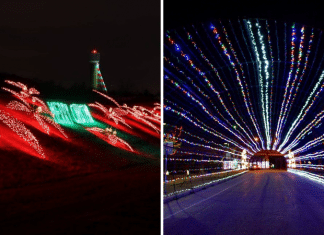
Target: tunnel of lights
[(268, 159), (243, 86)]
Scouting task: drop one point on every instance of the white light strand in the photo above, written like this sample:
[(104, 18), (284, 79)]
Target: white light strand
[(20, 129)]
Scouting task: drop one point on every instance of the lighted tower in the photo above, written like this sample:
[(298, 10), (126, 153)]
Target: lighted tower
[(96, 77)]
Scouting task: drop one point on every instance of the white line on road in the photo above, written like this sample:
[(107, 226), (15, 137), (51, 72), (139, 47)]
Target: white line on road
[(202, 200)]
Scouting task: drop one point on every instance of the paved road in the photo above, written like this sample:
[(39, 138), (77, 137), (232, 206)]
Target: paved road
[(259, 202)]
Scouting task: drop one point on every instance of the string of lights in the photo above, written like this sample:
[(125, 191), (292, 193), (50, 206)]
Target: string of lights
[(249, 85), (20, 129), (32, 105), (209, 84)]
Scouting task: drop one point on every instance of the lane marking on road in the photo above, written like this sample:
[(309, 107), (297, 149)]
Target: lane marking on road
[(203, 200)]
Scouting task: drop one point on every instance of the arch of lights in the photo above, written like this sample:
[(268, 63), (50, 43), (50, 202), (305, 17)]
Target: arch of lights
[(245, 85)]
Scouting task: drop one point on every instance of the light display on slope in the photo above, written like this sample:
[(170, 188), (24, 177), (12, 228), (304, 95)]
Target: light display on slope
[(32, 105), (69, 115), (81, 113), (255, 84), (136, 111), (61, 113), (20, 129), (114, 114), (109, 136), (141, 116)]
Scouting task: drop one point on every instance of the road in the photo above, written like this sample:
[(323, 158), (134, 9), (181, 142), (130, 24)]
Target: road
[(258, 202), (118, 202)]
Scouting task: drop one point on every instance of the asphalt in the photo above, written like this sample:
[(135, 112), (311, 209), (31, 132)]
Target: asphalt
[(258, 202)]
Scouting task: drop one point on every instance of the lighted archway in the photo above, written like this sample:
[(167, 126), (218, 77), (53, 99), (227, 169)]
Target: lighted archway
[(268, 159)]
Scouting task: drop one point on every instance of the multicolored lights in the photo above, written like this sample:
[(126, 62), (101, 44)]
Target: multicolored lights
[(253, 84)]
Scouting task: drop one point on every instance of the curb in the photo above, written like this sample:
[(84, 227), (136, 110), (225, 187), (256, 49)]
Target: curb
[(194, 190)]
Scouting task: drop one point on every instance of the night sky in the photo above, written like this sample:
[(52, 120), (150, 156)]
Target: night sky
[(184, 13), (52, 40)]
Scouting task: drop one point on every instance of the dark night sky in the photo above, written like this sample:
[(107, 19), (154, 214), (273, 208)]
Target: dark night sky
[(51, 40), (187, 13)]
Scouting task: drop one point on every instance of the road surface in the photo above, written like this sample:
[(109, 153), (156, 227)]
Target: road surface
[(118, 202), (258, 202)]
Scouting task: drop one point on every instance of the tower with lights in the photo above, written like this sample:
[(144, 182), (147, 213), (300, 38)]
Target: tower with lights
[(96, 77)]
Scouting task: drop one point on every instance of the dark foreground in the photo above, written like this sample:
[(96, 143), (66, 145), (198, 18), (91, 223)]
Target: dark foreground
[(119, 202), (259, 202)]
